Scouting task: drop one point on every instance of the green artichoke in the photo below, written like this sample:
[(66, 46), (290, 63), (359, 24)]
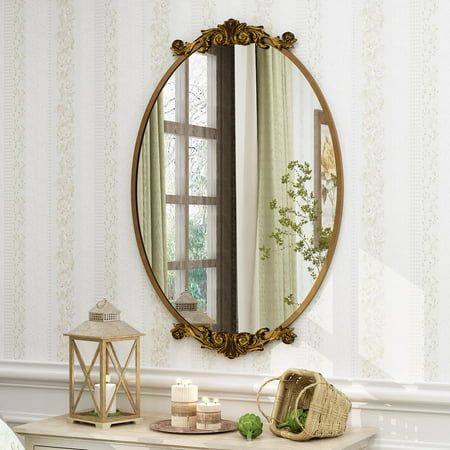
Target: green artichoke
[(250, 426), (293, 418)]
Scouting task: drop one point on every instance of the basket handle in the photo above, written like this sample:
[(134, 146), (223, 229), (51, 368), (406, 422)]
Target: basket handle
[(297, 402), (258, 395)]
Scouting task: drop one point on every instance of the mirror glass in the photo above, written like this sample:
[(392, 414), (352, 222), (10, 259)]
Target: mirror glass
[(236, 188)]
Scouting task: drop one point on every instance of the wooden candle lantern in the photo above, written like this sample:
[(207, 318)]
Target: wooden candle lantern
[(105, 329)]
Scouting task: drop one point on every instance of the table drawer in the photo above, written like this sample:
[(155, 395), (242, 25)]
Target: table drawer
[(102, 446), (50, 447), (40, 447)]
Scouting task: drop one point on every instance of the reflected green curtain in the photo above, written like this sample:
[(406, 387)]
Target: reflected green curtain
[(277, 275), (152, 192)]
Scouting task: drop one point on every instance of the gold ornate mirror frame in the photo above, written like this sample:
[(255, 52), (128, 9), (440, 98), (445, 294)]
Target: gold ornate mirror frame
[(232, 345)]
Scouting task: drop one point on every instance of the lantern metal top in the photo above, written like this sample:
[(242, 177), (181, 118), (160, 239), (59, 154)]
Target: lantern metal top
[(187, 305), (186, 302), (104, 323), (104, 311)]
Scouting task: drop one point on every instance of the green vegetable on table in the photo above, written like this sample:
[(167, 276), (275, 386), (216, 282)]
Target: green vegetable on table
[(293, 418), (250, 426)]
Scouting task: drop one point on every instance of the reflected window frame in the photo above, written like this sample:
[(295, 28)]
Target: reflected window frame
[(182, 200)]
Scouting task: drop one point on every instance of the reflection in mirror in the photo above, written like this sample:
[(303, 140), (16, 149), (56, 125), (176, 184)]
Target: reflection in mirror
[(236, 189)]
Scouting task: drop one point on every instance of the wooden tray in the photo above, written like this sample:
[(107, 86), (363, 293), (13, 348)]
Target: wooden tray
[(165, 427)]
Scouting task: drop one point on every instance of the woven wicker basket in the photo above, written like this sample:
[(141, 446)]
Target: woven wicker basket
[(328, 408)]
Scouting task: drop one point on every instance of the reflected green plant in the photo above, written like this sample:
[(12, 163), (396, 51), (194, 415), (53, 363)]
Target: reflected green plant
[(296, 219)]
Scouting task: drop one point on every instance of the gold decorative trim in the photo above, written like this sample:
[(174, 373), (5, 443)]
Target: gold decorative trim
[(233, 32), (233, 345)]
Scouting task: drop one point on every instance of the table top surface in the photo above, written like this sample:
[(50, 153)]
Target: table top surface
[(141, 434)]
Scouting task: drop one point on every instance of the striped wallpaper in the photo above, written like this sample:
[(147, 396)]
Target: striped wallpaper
[(75, 77)]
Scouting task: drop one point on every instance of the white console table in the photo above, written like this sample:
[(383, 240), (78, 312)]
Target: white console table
[(57, 433)]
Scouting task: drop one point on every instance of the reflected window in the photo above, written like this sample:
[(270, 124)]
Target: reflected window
[(197, 172)]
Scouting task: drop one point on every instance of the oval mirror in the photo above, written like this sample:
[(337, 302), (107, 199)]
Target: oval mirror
[(237, 188)]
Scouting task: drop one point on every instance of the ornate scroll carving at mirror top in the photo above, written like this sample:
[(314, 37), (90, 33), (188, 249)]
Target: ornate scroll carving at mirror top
[(233, 32)]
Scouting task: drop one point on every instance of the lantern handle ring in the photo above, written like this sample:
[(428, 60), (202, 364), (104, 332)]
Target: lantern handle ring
[(101, 303)]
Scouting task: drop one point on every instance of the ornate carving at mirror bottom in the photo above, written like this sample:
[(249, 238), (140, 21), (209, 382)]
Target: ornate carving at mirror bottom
[(233, 345)]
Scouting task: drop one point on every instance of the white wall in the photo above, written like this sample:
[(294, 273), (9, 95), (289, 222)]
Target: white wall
[(76, 76)]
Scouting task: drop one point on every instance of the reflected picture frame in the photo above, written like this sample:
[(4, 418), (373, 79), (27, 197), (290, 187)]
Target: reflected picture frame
[(325, 179)]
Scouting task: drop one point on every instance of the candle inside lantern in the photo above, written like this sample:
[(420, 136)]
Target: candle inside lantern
[(209, 416), (184, 396), (109, 390)]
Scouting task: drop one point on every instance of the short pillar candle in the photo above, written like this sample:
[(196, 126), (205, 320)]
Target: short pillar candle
[(184, 396), (209, 416), (110, 389)]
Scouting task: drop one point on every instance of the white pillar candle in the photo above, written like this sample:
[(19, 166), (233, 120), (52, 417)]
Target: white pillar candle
[(184, 396), (109, 390), (184, 391)]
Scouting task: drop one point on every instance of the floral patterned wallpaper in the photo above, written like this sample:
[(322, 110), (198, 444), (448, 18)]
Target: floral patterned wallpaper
[(76, 76)]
